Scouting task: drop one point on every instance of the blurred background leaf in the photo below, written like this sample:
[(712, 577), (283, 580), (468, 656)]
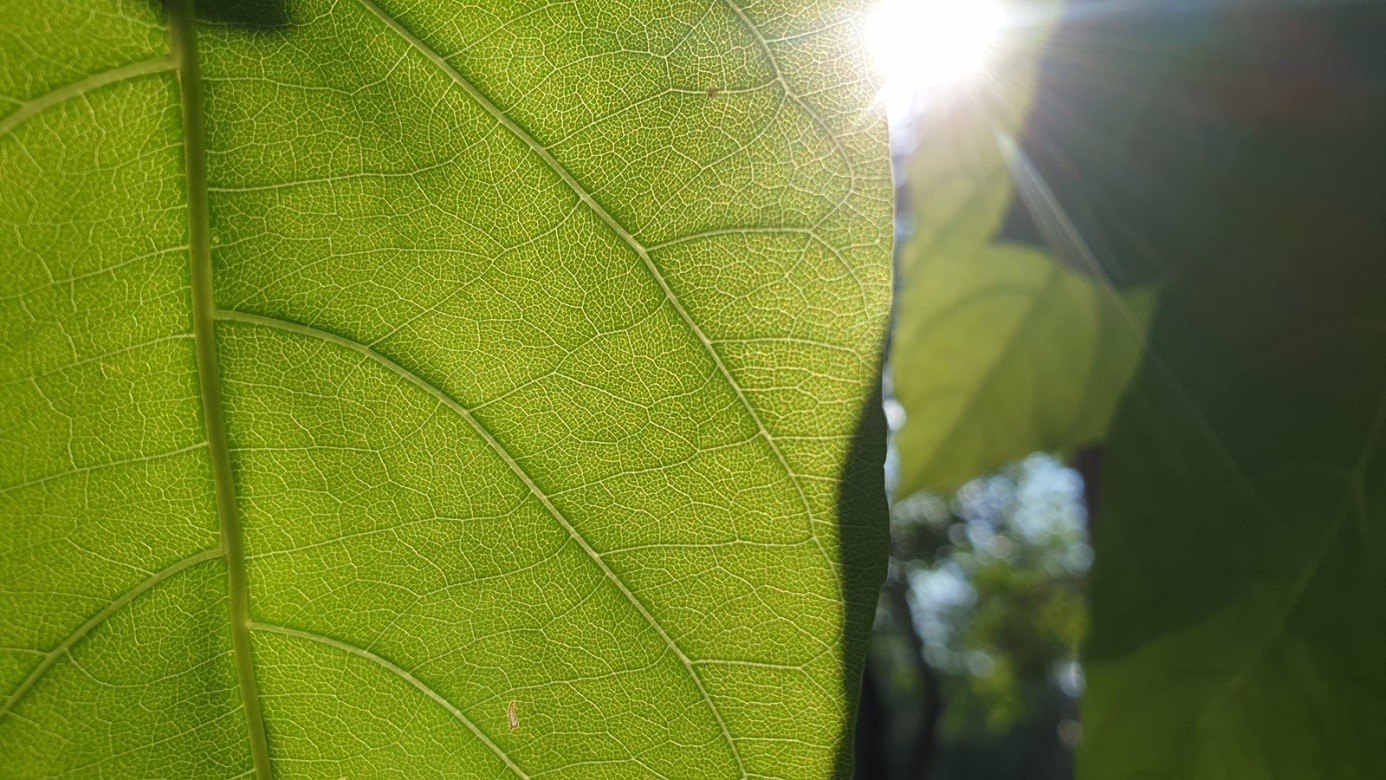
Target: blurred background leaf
[(1004, 352), (1001, 347), (1193, 194), (1239, 588)]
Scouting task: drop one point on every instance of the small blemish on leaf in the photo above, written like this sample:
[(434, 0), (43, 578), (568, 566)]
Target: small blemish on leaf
[(512, 715), (712, 91)]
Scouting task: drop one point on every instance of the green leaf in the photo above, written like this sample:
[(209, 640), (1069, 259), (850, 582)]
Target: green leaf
[(1004, 352), (414, 388), (1000, 349), (1239, 584), (1238, 588)]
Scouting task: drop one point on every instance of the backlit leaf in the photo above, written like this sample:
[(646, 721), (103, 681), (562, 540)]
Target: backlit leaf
[(417, 388), (1001, 349)]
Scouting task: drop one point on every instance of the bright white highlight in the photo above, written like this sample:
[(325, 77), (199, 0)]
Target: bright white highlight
[(924, 46)]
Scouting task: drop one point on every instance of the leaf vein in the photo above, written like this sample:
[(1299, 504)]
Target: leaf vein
[(802, 104), (631, 241), (394, 668), (515, 468), (183, 37), (52, 656), (81, 87)]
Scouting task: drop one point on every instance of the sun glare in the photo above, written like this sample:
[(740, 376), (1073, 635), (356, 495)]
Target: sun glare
[(925, 46)]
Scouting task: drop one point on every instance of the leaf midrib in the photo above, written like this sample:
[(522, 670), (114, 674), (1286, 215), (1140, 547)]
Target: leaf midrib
[(183, 37)]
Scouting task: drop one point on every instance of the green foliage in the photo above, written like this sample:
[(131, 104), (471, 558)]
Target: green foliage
[(437, 389), (1001, 349), (1240, 581), (980, 625), (1001, 352), (1000, 599), (1240, 576), (1234, 155)]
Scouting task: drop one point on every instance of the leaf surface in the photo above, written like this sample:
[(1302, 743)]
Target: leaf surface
[(397, 388)]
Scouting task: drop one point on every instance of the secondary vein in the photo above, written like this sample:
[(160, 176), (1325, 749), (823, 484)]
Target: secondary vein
[(182, 29), (51, 657), (626, 236), (403, 674), (519, 472), (78, 88)]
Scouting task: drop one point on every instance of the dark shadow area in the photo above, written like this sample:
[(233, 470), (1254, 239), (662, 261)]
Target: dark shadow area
[(251, 15), (1271, 354), (1114, 135), (863, 548), (259, 15), (872, 722), (1233, 152), (893, 740), (1145, 114)]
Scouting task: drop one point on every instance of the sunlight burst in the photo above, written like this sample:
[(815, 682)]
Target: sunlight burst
[(925, 46)]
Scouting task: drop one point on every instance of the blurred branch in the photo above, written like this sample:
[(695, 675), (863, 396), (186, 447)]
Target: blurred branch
[(925, 745), (1087, 461)]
